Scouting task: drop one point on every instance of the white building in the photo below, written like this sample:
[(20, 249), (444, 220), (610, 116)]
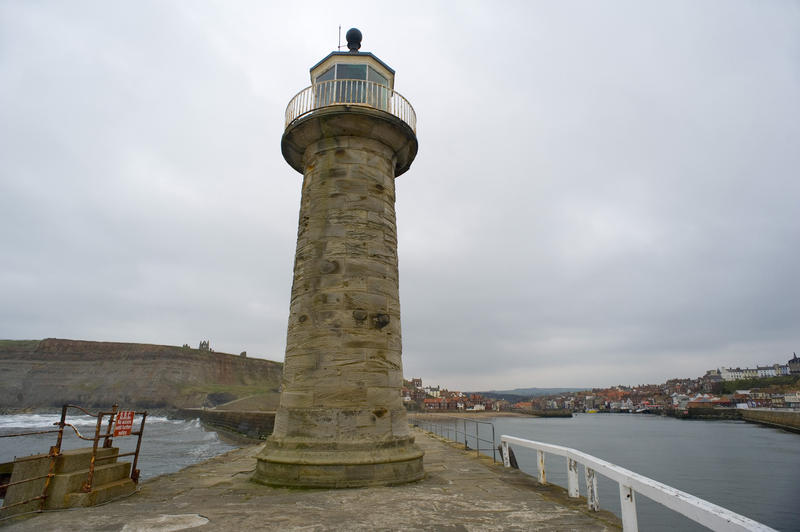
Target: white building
[(680, 400), (766, 371), (734, 374)]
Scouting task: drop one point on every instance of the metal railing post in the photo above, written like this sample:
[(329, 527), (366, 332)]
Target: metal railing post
[(494, 445), (54, 453), (572, 478), (61, 427), (591, 489), (108, 442), (87, 486), (134, 470), (540, 466), (504, 452), (477, 442), (627, 503)]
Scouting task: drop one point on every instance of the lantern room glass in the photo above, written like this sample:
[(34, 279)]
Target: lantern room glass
[(355, 84)]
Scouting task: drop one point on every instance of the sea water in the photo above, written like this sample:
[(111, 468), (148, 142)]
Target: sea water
[(168, 445)]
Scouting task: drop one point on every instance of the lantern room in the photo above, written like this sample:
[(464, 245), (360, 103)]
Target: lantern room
[(353, 65)]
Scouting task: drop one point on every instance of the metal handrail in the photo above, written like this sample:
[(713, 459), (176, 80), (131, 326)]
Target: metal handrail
[(350, 92), (707, 514), (108, 442), (52, 455), (55, 451), (461, 436)]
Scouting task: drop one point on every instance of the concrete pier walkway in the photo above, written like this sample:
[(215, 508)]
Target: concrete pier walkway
[(459, 492)]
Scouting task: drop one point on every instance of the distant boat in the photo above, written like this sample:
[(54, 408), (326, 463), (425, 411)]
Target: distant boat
[(591, 411)]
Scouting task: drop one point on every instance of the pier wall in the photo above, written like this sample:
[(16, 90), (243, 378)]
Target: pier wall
[(789, 420), (256, 425), (712, 413)]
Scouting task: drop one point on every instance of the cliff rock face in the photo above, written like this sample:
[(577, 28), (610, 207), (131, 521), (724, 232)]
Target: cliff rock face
[(52, 372)]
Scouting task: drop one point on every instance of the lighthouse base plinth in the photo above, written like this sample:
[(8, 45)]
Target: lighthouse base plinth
[(339, 465)]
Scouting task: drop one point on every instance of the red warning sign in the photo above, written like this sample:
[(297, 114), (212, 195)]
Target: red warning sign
[(124, 423)]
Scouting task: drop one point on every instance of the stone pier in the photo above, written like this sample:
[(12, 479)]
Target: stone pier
[(459, 492)]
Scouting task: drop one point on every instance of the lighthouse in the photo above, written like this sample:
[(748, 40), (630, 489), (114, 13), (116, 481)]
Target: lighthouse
[(341, 420)]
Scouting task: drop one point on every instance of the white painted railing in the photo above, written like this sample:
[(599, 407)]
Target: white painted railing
[(707, 514), (350, 92)]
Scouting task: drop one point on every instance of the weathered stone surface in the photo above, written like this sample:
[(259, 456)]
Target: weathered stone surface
[(342, 121), (341, 421)]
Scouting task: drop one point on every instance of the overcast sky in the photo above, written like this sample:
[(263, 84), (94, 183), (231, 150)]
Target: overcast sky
[(605, 192)]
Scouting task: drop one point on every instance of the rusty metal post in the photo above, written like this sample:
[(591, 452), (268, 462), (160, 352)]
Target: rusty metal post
[(108, 442), (53, 455), (55, 452), (134, 471), (541, 467), (87, 487), (61, 427)]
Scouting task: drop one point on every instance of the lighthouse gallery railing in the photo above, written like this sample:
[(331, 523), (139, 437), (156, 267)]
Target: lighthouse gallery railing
[(350, 92)]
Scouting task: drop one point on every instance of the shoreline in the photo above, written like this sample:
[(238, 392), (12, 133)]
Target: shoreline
[(429, 416)]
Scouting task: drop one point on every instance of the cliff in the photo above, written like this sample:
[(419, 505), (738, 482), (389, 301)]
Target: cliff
[(51, 372)]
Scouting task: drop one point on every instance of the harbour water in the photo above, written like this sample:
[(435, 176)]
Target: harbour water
[(168, 445), (747, 468)]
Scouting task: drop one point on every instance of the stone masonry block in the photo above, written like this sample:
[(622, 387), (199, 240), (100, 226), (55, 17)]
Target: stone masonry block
[(364, 300), (362, 267), (294, 399), (382, 396), (335, 394)]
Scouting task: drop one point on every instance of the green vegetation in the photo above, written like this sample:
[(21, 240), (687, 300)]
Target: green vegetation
[(785, 383), (19, 345)]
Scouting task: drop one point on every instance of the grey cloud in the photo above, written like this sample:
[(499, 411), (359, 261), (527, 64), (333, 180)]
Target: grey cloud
[(603, 193)]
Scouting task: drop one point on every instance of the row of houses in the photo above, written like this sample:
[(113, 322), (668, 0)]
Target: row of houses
[(792, 367), (435, 398), (674, 393), (657, 398)]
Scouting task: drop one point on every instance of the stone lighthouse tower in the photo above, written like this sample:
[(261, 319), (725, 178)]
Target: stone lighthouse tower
[(341, 420)]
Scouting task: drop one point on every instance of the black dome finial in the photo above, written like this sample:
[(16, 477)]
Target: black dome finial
[(353, 37)]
